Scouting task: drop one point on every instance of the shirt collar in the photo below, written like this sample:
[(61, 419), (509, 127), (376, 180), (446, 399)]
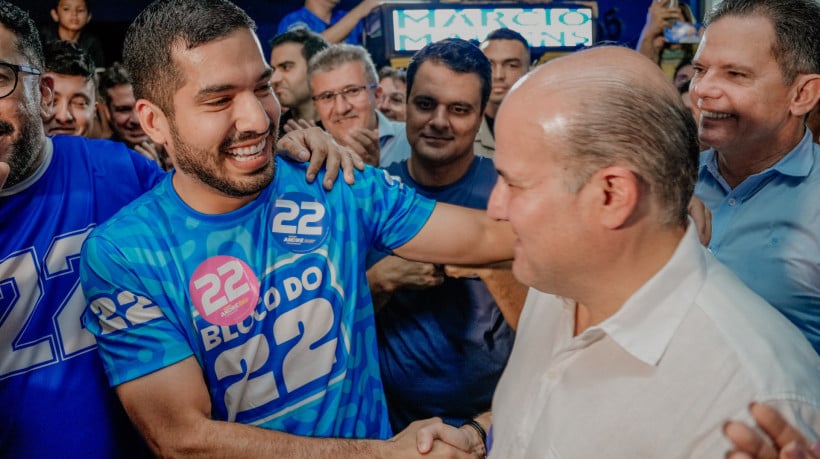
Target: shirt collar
[(796, 163), (647, 321), (386, 129)]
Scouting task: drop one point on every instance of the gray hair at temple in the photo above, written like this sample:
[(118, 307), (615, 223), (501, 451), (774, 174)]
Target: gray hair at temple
[(622, 119), (334, 56), (796, 26)]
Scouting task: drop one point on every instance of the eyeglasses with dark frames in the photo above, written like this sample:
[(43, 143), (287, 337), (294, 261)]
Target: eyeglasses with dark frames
[(348, 94), (9, 75)]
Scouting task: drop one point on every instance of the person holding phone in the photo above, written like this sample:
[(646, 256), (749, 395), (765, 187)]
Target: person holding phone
[(660, 15)]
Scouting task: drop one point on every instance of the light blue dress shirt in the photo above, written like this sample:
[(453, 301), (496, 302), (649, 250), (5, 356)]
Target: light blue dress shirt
[(767, 230), (392, 141)]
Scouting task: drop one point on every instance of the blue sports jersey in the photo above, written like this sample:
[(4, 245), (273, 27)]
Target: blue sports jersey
[(53, 393), (304, 19), (442, 349), (271, 299)]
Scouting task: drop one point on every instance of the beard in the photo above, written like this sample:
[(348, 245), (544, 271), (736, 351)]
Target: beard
[(25, 150), (203, 165)]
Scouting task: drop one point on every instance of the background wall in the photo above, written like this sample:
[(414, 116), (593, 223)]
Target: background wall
[(619, 20)]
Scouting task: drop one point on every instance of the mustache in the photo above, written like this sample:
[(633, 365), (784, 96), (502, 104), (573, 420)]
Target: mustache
[(246, 136), (6, 128)]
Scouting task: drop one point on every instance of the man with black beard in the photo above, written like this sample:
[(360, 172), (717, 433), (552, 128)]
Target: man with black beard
[(239, 287), (53, 192)]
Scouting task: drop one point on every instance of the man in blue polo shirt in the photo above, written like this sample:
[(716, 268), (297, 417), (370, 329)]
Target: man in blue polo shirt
[(756, 79)]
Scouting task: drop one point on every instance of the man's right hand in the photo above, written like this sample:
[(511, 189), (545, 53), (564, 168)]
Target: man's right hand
[(365, 142), (784, 440), (4, 173), (437, 439), (392, 273)]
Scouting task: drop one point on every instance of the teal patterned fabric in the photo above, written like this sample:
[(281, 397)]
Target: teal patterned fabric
[(271, 299)]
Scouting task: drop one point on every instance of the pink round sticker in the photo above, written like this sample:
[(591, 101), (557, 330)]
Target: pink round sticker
[(224, 290)]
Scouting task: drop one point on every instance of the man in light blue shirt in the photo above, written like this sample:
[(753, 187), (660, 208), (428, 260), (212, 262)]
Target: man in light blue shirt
[(761, 179), (345, 87)]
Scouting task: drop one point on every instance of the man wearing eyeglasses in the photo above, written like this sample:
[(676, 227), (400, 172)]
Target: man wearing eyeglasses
[(345, 88), (52, 388), (53, 191), (75, 91)]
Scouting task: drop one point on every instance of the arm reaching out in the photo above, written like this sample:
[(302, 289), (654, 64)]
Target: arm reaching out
[(338, 32), (172, 409), (658, 17), (465, 438), (479, 239)]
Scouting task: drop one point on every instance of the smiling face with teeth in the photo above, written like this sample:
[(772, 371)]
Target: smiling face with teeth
[(343, 115), (223, 128), (747, 109)]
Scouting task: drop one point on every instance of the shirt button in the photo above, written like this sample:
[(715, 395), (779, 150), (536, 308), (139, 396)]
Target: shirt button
[(732, 201)]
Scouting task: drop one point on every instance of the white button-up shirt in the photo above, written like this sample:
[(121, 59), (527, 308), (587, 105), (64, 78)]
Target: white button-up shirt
[(687, 352)]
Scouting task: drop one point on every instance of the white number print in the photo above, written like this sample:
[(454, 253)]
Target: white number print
[(23, 278), (247, 392), (309, 322), (235, 286), (300, 219), (303, 364)]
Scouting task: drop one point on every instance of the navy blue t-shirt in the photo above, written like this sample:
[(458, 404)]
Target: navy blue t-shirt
[(442, 349)]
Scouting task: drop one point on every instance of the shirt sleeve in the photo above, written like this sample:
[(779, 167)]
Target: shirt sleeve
[(394, 212), (134, 335)]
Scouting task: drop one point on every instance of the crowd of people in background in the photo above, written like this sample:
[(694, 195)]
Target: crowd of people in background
[(615, 251)]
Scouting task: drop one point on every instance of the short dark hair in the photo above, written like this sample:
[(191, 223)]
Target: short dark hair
[(18, 22), (66, 58), (162, 27), (796, 25), (393, 73), (506, 34), (56, 3), (311, 42), (113, 76), (458, 55)]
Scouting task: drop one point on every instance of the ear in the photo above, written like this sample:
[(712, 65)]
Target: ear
[(88, 19), (378, 93), (46, 97), (105, 111), (154, 122), (617, 192), (806, 94), (54, 15)]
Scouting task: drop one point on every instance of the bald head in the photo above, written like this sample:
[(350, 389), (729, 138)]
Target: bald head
[(599, 69), (612, 106)]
